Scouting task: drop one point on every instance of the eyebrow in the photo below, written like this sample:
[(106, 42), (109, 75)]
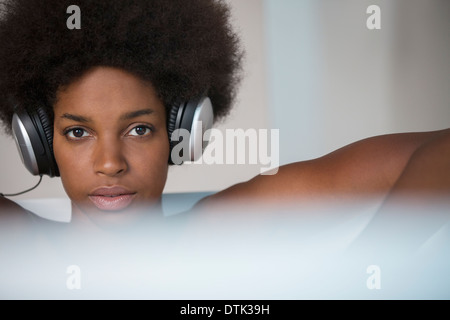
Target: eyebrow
[(126, 116), (135, 114), (75, 118)]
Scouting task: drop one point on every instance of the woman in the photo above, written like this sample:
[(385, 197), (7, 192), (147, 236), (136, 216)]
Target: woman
[(110, 87)]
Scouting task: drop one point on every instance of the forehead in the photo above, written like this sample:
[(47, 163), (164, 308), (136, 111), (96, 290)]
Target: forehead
[(107, 91)]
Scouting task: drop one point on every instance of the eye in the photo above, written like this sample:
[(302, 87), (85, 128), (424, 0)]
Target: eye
[(76, 133), (140, 131)]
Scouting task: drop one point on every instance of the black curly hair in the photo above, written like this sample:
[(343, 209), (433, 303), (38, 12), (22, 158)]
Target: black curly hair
[(183, 47)]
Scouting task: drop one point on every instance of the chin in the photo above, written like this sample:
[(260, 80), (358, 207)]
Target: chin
[(135, 214)]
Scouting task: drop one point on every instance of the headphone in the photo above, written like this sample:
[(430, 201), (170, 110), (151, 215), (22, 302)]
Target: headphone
[(33, 134)]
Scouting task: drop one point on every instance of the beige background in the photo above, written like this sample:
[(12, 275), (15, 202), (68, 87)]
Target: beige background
[(316, 72)]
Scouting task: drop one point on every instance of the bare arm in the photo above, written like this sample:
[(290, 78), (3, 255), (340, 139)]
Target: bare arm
[(427, 172), (369, 167), (419, 201)]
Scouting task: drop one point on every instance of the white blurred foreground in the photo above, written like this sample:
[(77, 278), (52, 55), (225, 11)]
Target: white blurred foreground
[(321, 251)]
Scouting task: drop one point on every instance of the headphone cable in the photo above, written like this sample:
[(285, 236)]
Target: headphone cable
[(16, 194)]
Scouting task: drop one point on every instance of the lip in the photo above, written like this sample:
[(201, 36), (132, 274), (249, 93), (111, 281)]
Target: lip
[(112, 198)]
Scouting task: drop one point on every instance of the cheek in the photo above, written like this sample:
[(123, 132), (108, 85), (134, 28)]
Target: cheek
[(150, 165), (72, 166)]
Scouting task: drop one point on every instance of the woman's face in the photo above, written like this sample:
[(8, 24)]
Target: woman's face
[(111, 143)]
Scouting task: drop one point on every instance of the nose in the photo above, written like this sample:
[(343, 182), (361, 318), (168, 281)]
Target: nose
[(109, 158)]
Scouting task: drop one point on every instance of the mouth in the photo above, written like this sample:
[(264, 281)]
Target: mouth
[(112, 198)]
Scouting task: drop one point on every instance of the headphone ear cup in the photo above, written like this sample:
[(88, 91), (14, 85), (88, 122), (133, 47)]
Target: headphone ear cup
[(33, 133), (47, 128), (171, 126), (172, 120), (196, 116)]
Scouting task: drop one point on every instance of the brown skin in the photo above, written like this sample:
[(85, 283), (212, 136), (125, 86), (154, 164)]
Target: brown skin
[(109, 152), (427, 174)]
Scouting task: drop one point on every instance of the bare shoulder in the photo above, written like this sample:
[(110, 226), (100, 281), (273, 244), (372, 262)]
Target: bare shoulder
[(428, 169), (367, 167)]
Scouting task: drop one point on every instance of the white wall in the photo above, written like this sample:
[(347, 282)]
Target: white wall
[(420, 65), (333, 81)]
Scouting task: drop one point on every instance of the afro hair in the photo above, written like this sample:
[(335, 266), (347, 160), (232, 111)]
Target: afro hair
[(184, 48)]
